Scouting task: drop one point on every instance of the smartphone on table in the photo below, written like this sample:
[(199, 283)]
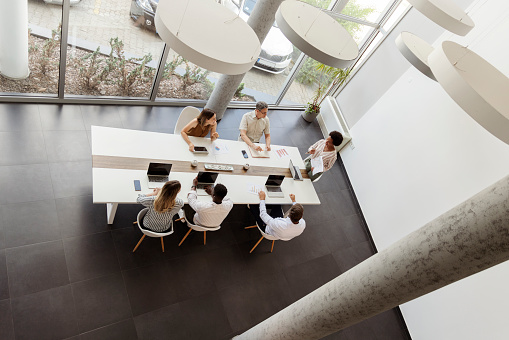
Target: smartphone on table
[(137, 185), (244, 153)]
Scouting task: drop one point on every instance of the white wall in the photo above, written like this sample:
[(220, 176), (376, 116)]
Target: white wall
[(418, 154)]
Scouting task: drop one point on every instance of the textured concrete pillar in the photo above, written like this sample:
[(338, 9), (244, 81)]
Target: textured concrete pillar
[(14, 39), (261, 21), (465, 240)]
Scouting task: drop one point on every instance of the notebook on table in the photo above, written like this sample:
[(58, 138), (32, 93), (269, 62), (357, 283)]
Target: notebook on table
[(259, 154)]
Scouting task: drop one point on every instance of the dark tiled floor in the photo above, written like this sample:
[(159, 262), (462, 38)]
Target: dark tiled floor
[(66, 274)]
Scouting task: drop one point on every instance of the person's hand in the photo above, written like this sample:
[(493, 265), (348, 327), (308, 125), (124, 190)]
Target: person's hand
[(257, 147), (195, 181), (312, 168), (261, 194), (312, 152), (155, 191), (208, 189), (191, 147), (268, 147), (292, 197), (215, 135)]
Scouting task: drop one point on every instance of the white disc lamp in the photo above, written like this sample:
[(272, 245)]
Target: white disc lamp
[(475, 85), (208, 35), (416, 51), (316, 34), (446, 14)]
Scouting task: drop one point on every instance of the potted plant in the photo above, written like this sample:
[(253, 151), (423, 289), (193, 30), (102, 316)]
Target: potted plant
[(329, 79)]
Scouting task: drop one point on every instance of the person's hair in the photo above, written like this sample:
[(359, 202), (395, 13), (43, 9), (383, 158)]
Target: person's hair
[(337, 137), (165, 200), (220, 190), (204, 115), (261, 105), (296, 212)]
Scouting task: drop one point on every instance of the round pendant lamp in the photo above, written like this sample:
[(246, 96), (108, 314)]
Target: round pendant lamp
[(446, 14), (316, 34), (208, 35), (416, 51), (475, 85)]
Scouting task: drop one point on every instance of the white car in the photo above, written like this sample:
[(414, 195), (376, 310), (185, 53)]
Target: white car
[(276, 51)]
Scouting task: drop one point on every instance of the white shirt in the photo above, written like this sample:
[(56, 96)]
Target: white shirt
[(254, 127), (282, 227), (209, 214)]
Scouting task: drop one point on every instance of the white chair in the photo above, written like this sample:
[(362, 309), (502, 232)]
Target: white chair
[(267, 236), (187, 115), (150, 233), (316, 179), (196, 227)]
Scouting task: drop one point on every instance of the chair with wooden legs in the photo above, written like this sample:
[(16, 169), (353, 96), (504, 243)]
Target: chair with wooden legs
[(264, 235), (197, 228), (150, 233)]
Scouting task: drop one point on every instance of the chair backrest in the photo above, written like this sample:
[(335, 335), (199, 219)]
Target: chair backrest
[(150, 233), (267, 236), (187, 114), (199, 227)]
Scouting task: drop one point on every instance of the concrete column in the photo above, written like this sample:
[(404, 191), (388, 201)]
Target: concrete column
[(465, 240), (14, 39), (261, 21)]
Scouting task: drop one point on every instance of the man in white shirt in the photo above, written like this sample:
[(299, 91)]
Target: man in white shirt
[(209, 214), (284, 227), (254, 124)]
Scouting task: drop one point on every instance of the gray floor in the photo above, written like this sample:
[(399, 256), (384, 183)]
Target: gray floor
[(65, 273)]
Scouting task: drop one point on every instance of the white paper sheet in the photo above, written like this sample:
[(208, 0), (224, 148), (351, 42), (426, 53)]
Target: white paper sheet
[(317, 164), (282, 153), (220, 148), (253, 188)]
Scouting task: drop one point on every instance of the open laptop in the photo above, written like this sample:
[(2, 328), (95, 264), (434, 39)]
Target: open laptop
[(296, 175), (205, 178), (158, 174), (273, 186)]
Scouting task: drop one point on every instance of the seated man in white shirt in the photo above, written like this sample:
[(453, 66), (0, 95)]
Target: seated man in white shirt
[(284, 227), (209, 214)]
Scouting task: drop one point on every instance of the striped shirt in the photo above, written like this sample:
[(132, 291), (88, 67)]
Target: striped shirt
[(328, 157), (155, 221)]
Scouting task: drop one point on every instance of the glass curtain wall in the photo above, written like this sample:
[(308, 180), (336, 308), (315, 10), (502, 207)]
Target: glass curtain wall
[(44, 31)]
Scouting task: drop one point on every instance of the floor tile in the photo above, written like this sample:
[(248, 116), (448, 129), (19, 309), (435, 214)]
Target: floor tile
[(164, 323), (36, 267), (387, 326), (156, 119), (354, 229), (19, 117), (67, 146), (61, 117), (6, 324), (4, 283), (28, 223), (306, 277), (346, 258), (24, 183), (22, 147), (71, 178), (100, 302), (45, 315), (226, 264), (340, 203), (334, 235), (90, 256), (101, 115), (204, 317), (78, 216), (124, 330), (150, 288)]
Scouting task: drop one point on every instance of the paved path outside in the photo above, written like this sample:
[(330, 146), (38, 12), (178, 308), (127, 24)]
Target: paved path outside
[(97, 21)]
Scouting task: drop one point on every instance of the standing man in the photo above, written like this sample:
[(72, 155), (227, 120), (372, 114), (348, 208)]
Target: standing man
[(284, 227), (254, 124), (209, 214)]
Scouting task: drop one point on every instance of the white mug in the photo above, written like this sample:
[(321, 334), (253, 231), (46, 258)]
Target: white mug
[(246, 166), (194, 163)]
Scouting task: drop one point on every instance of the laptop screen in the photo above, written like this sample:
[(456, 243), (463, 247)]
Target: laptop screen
[(207, 177), (275, 180), (159, 169)]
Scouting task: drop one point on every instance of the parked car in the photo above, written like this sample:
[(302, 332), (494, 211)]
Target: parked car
[(143, 13), (276, 53)]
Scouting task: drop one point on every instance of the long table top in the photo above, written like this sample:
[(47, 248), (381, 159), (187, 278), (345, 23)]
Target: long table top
[(120, 156)]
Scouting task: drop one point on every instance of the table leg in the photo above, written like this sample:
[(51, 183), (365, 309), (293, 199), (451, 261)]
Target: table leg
[(111, 209)]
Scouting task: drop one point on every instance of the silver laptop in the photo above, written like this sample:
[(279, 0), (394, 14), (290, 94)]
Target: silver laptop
[(158, 174), (205, 178), (296, 174), (273, 186)]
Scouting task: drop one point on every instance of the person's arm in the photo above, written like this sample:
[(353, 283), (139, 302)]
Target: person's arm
[(267, 141), (184, 131), (313, 147), (328, 163), (192, 197), (213, 133), (266, 218), (146, 200), (243, 133), (266, 132)]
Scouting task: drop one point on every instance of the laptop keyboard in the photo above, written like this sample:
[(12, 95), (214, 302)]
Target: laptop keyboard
[(274, 189), (157, 179), (202, 186)]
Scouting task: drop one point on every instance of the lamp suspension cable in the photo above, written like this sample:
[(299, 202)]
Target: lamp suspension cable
[(183, 16)]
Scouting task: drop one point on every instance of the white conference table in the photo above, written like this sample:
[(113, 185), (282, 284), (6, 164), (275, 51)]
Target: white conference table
[(120, 156)]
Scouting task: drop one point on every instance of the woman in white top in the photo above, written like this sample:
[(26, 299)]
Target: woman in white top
[(162, 204), (324, 148)]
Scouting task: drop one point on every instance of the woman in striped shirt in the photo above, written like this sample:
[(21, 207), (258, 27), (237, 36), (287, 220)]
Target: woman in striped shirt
[(324, 148), (162, 204)]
